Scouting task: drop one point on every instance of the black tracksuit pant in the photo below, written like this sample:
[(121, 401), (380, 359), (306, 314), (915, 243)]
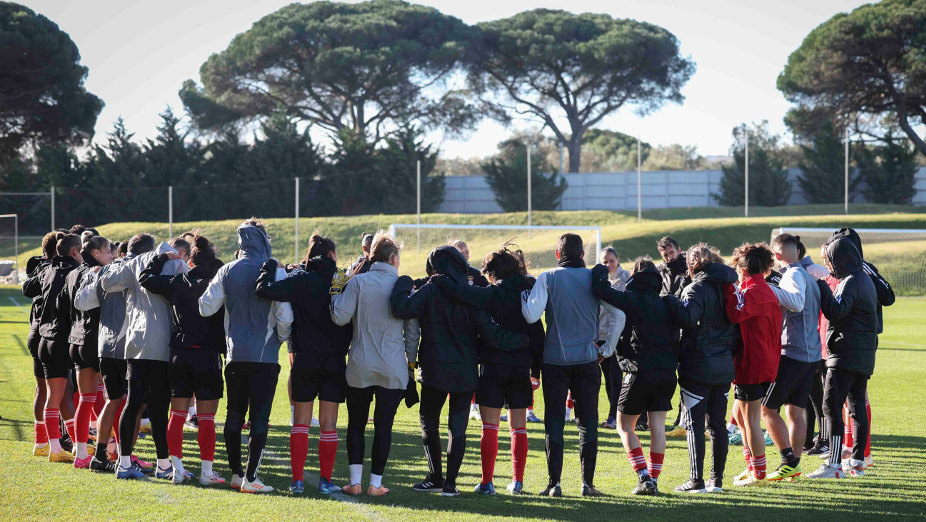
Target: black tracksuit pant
[(432, 401), (585, 382), (148, 382), (813, 413), (840, 385), (358, 412), (701, 400), (251, 386), (613, 377)]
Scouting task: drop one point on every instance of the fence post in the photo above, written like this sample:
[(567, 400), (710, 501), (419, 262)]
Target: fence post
[(170, 211), (52, 193), (639, 183), (746, 160), (296, 223), (16, 248), (418, 200), (528, 184), (846, 203)]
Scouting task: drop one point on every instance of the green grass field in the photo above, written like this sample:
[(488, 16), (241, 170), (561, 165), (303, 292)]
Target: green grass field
[(36, 489)]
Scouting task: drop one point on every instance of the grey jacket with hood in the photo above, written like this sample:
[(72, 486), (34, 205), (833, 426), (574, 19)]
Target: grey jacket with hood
[(112, 311), (254, 327), (147, 315)]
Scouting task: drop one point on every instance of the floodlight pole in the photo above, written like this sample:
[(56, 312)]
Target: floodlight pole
[(639, 183), (418, 200), (296, 223), (170, 211), (746, 161), (846, 195), (528, 184), (51, 192)]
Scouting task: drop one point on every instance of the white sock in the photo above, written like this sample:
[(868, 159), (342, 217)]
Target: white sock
[(42, 445), (207, 468), (192, 411), (82, 450), (125, 462), (731, 427), (55, 445), (163, 464), (376, 480), (356, 473), (474, 407), (176, 463)]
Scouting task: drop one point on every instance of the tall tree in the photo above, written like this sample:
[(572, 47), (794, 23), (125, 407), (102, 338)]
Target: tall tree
[(172, 158), (823, 167), (609, 151), (42, 94), (869, 62), (768, 179), (363, 68), (888, 170), (506, 174), (570, 71)]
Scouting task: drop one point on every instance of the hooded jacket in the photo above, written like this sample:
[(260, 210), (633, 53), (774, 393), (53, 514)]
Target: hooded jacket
[(48, 283), (852, 310), (706, 348), (650, 326), (85, 325), (111, 305), (755, 308), (254, 326), (502, 301), (618, 281), (307, 292), (182, 291), (799, 298), (147, 314), (451, 332), (34, 266), (674, 276), (882, 287)]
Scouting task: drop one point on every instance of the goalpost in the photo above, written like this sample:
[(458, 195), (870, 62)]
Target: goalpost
[(9, 248), (537, 242), (898, 253)]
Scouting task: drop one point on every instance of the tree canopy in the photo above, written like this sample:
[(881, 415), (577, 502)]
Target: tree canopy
[(867, 63), (572, 70)]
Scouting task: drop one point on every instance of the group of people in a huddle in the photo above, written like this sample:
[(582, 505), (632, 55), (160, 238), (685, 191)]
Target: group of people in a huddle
[(122, 331)]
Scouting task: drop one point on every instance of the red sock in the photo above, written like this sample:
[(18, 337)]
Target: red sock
[(474, 399), (637, 460), (116, 418), (206, 436), (518, 453), (175, 433), (100, 400), (868, 442), (488, 447), (72, 429), (298, 448), (848, 439), (655, 464), (41, 436), (53, 423), (733, 421), (82, 417), (758, 467), (75, 398), (569, 402), (747, 456), (327, 451)]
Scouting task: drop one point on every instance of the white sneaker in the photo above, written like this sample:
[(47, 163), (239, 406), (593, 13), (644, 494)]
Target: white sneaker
[(212, 480), (179, 476), (314, 423), (474, 412), (568, 414), (236, 481), (869, 462), (255, 486), (853, 468), (825, 471)]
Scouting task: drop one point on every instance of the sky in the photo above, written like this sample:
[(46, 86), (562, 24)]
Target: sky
[(139, 53)]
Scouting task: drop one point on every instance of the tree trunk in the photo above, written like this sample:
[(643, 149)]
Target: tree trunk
[(574, 146)]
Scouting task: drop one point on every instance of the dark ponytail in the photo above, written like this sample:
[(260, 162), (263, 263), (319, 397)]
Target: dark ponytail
[(202, 254), (319, 246)]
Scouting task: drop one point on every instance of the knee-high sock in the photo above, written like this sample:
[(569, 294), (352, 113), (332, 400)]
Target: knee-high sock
[(206, 436), (488, 447), (298, 448), (71, 428), (41, 436), (175, 433), (747, 456), (52, 423), (637, 460), (655, 464), (518, 453), (868, 441), (100, 400), (327, 451), (847, 437), (84, 409)]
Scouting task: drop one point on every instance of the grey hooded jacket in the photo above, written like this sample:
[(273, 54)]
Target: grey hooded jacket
[(254, 327), (800, 309), (147, 315), (91, 295)]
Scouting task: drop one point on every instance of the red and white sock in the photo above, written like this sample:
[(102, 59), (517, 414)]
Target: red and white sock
[(758, 467), (100, 401), (71, 428), (518, 453), (205, 435), (298, 449), (327, 451), (175, 433), (84, 411), (747, 456), (488, 450), (53, 428), (848, 439), (868, 442), (41, 436), (637, 460), (569, 402), (655, 464)]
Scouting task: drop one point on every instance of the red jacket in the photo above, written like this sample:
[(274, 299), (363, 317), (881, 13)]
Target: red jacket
[(824, 323), (755, 308)]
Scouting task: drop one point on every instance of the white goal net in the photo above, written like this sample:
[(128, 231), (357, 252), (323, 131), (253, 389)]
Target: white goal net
[(899, 254), (9, 249), (537, 242)]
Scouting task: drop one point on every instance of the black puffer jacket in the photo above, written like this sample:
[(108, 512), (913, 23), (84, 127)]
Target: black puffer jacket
[(307, 291), (882, 287), (85, 326), (852, 335), (47, 284), (650, 326), (503, 302), (189, 329), (674, 276), (706, 349), (451, 332)]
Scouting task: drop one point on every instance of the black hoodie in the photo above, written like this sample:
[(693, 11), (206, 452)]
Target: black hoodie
[(852, 335), (674, 276), (882, 287), (451, 332), (54, 324), (706, 348), (653, 332), (85, 326)]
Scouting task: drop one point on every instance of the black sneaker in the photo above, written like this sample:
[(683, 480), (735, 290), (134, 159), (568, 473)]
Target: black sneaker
[(430, 485), (642, 425), (449, 489), (66, 443), (692, 486), (646, 486), (819, 449), (192, 423), (591, 491), (102, 466), (553, 490)]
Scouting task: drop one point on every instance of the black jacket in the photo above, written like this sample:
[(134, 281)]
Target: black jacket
[(85, 326), (503, 302), (674, 276), (451, 332), (706, 348), (650, 326), (852, 335), (882, 287), (307, 292), (475, 277), (34, 265), (48, 283), (189, 328)]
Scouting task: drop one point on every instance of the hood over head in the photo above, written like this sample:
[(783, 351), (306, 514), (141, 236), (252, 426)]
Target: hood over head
[(844, 256), (646, 280), (449, 261), (851, 235), (719, 273), (253, 242)]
